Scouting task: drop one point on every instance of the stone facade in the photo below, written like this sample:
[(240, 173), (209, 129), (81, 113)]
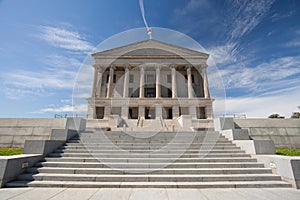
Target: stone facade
[(150, 80)]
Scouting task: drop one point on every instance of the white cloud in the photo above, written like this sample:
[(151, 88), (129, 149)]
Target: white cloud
[(283, 103), (64, 109), (63, 38)]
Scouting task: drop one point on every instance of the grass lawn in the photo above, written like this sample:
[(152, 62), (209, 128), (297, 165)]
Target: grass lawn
[(10, 151), (288, 151)]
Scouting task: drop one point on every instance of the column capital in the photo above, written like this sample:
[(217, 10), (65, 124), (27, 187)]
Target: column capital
[(198, 67), (126, 66), (99, 67), (188, 66), (173, 66), (157, 66), (142, 67)]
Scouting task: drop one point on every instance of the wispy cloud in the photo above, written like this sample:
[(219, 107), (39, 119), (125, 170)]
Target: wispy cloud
[(63, 38), (224, 54), (279, 16), (58, 72), (21, 83), (192, 6), (265, 76), (246, 15)]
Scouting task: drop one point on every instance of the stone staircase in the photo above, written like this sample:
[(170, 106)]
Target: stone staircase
[(164, 160)]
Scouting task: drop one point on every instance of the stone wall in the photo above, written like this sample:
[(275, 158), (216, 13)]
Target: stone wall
[(284, 132), (14, 131)]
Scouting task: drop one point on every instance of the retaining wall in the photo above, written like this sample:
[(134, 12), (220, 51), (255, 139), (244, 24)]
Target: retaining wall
[(284, 132), (14, 131)]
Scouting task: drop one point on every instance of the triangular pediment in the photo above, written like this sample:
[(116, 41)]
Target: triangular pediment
[(150, 48)]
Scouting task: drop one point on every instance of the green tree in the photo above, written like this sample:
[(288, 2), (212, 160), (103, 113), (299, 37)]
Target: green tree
[(276, 116), (295, 115)]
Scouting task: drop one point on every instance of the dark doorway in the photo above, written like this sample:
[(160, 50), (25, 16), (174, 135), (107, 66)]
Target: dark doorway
[(99, 112), (149, 113), (170, 113), (133, 113)]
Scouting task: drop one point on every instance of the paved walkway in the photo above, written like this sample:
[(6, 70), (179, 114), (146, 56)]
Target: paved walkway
[(144, 194)]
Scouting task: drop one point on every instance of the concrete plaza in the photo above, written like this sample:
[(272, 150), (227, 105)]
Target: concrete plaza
[(134, 193)]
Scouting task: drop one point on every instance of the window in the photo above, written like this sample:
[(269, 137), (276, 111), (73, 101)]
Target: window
[(193, 79), (150, 78), (107, 77), (169, 78), (131, 78), (130, 92)]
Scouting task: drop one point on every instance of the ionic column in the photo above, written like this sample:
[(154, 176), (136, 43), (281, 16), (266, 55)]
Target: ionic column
[(95, 81), (126, 81), (158, 91), (110, 80), (205, 82), (142, 77), (99, 83), (174, 85), (189, 76)]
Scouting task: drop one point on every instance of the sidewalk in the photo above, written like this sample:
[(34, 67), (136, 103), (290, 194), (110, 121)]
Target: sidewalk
[(144, 194)]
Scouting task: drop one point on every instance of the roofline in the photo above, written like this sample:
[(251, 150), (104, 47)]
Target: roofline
[(164, 43)]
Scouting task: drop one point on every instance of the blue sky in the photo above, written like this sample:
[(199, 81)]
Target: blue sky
[(255, 45)]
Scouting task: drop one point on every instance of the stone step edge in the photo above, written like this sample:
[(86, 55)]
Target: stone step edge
[(220, 184)]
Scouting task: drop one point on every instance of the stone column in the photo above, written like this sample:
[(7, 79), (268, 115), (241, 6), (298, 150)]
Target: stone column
[(91, 110), (126, 81), (175, 110), (193, 112), (107, 111), (209, 111), (124, 111), (95, 81), (99, 83), (142, 111), (109, 83), (174, 84), (158, 111), (158, 89), (142, 77), (189, 82), (205, 82)]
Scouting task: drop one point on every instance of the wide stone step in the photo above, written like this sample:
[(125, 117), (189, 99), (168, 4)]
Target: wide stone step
[(227, 160), (113, 147), (125, 165), (146, 134), (113, 151), (221, 144), (154, 177), (58, 170), (147, 155), (78, 184), (154, 140)]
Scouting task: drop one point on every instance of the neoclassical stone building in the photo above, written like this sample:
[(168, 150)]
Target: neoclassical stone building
[(148, 81)]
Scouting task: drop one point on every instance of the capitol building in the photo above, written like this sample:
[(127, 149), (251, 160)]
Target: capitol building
[(150, 84)]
